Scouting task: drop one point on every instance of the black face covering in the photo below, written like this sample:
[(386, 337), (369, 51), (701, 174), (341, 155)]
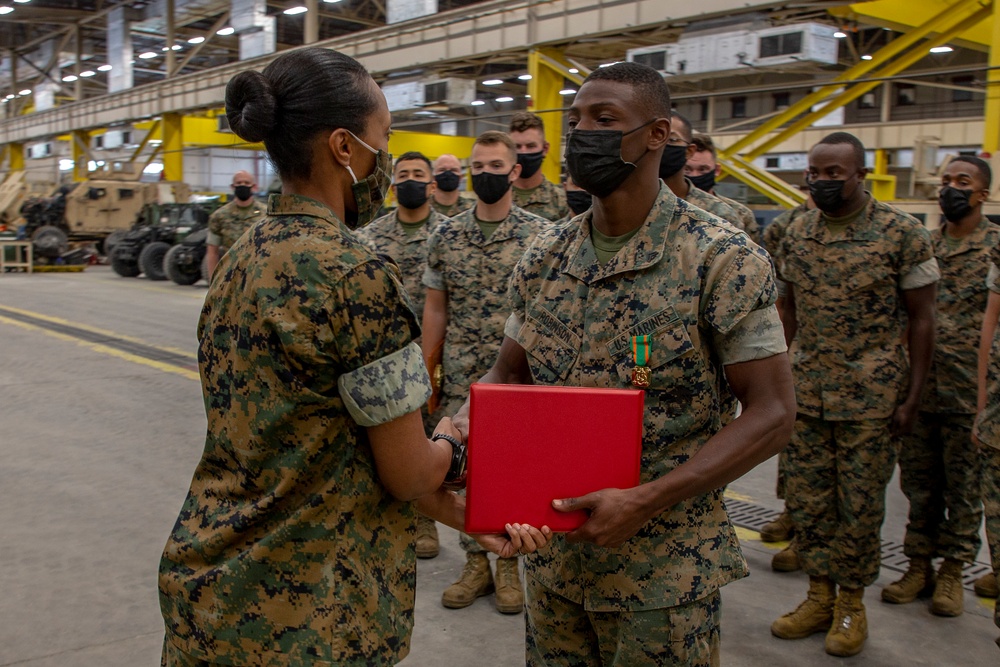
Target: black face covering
[(530, 163), (412, 194), (828, 195), (579, 201), (955, 203), (704, 181), (243, 192), (594, 159), (673, 160), (490, 188), (447, 181)]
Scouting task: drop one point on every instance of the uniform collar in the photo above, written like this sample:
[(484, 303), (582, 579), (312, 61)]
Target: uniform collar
[(507, 229), (300, 205), (643, 250), (862, 228), (397, 233), (974, 240), (541, 194)]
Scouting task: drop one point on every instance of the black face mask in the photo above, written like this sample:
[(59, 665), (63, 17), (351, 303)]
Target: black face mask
[(579, 201), (447, 181), (412, 194), (243, 192), (955, 203), (594, 159), (827, 195), (704, 181), (530, 163), (673, 160), (490, 188)]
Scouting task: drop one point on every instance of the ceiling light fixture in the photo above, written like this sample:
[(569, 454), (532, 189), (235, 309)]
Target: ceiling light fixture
[(942, 49), (22, 2), (573, 70), (292, 11), (147, 55), (330, 2), (568, 91), (6, 10), (87, 73), (26, 91), (70, 78), (228, 30), (104, 68), (10, 97), (196, 40), (840, 34), (492, 82), (505, 99), (524, 77), (866, 57), (478, 103)]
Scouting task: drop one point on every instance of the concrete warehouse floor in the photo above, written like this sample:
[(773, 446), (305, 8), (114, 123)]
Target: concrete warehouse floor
[(102, 424)]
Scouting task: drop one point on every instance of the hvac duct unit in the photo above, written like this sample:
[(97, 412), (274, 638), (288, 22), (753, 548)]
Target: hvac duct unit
[(721, 53), (410, 95), (40, 150)]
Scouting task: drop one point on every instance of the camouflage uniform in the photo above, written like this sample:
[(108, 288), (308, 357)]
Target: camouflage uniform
[(227, 224), (474, 271), (288, 549), (745, 219), (547, 201), (710, 204), (465, 201), (705, 294), (850, 369), (987, 429), (938, 464), (387, 237)]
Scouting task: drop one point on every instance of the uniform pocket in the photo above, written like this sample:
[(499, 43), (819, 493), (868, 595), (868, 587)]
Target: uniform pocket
[(551, 347)]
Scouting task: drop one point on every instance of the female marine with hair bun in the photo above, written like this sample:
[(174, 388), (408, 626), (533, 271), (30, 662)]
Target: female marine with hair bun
[(294, 545)]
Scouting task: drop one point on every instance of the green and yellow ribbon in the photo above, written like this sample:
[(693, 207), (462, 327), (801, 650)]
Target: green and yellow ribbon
[(640, 349)]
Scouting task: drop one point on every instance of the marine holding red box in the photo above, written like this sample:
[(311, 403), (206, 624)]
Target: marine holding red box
[(645, 281)]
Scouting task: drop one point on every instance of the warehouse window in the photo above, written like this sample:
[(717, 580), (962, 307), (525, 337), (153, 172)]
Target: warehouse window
[(772, 163), (906, 94), (703, 115), (785, 44), (436, 92), (739, 107), (655, 59), (867, 101), (962, 95), (782, 101)]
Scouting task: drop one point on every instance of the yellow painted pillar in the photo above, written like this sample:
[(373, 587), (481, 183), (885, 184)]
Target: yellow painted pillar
[(15, 156), (81, 154), (544, 87), (883, 185), (991, 134), (173, 146)]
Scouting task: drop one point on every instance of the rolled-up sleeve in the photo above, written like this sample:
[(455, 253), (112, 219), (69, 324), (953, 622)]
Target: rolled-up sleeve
[(386, 388)]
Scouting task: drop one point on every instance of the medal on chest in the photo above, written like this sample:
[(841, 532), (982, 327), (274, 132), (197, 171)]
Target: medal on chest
[(641, 375)]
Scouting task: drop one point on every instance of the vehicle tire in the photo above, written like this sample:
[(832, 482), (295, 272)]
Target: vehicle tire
[(151, 260), (49, 241), (124, 268), (176, 272), (107, 246)]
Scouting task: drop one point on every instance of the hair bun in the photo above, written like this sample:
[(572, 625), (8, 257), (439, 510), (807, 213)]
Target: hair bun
[(251, 106)]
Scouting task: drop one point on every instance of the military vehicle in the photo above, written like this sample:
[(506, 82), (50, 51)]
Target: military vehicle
[(187, 262), (13, 190), (158, 227)]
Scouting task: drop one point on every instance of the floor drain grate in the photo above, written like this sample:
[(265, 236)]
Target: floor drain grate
[(753, 517)]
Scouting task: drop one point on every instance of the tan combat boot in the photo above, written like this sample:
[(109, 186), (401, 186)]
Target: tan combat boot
[(779, 530), (510, 595), (986, 586), (812, 616), (949, 596), (476, 581), (917, 582), (850, 625), (427, 537), (786, 560)]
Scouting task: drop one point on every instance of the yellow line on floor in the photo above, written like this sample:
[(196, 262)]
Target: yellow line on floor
[(104, 349), (103, 332)]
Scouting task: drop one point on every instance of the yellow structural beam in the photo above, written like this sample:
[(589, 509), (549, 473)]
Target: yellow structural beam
[(172, 126), (903, 15), (948, 31), (889, 51), (882, 183), (15, 157), (991, 133), (431, 145), (548, 70), (762, 181), (81, 154)]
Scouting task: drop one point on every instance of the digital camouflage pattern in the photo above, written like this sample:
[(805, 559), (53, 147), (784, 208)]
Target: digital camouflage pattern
[(227, 224), (465, 201), (938, 463), (988, 423), (836, 474), (991, 503), (474, 271), (561, 633), (745, 219), (706, 202), (547, 201), (288, 550), (387, 237), (939, 472), (850, 363), (705, 294)]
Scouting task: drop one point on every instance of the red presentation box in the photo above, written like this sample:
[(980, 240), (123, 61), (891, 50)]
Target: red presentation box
[(529, 445)]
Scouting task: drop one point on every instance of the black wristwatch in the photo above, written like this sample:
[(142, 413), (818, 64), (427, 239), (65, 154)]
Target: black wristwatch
[(456, 472)]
